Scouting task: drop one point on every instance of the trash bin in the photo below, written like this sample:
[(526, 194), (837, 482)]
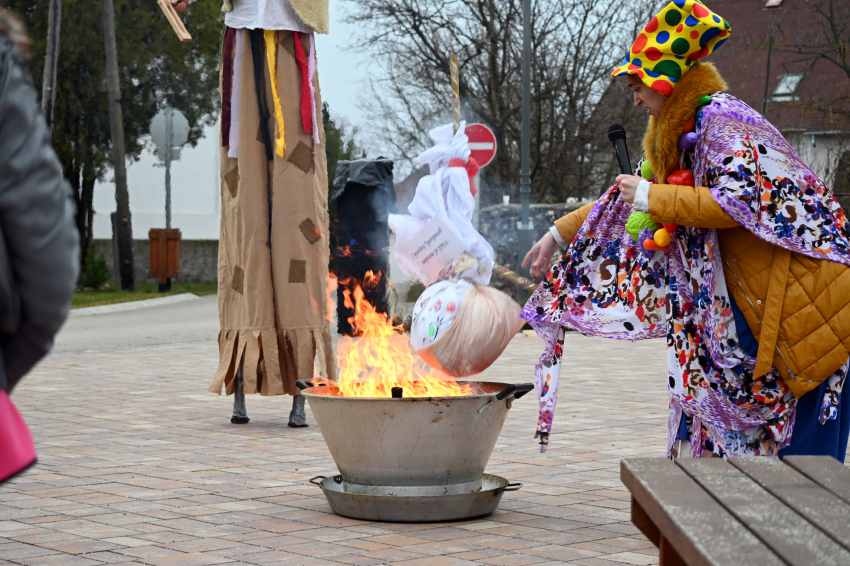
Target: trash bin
[(165, 256), (361, 201)]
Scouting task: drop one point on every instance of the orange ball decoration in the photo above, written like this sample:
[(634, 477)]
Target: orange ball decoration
[(650, 245)]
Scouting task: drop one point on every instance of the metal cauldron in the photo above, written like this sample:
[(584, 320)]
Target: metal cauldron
[(413, 442)]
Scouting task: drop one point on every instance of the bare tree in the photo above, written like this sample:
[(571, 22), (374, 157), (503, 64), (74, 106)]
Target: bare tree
[(575, 45)]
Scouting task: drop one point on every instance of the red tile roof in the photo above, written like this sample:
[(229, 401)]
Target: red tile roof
[(743, 62)]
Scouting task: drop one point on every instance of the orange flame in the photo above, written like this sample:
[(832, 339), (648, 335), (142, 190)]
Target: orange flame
[(330, 289), (381, 358), (345, 251)]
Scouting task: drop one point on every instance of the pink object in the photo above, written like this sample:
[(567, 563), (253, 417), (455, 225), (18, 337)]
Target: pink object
[(17, 450)]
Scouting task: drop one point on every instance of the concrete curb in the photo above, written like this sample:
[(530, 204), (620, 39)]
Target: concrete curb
[(132, 305)]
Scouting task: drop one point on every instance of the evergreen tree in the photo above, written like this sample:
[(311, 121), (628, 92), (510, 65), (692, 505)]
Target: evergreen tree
[(340, 145), (157, 70)]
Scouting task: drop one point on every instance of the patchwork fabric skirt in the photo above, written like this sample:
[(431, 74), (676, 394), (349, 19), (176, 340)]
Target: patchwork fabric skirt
[(273, 248)]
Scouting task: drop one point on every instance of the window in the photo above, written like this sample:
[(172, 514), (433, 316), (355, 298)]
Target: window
[(787, 88), (773, 3)]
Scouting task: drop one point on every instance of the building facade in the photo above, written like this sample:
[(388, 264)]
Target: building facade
[(776, 60)]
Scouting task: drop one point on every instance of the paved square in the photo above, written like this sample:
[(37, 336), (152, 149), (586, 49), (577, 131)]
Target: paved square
[(138, 464)]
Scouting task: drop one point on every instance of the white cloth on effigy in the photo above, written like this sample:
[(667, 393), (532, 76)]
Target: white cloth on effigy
[(460, 325), (446, 194)]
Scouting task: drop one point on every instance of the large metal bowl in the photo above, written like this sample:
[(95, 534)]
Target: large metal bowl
[(432, 441)]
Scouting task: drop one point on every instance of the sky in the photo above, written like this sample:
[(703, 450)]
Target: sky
[(195, 177), (343, 73)]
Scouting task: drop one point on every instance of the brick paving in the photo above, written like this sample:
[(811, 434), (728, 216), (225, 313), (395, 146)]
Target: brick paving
[(138, 464)]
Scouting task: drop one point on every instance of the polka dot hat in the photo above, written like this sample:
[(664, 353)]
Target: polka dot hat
[(682, 33)]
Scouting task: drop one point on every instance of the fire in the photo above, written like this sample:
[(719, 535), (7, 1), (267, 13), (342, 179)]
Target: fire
[(381, 358), (344, 251), (330, 289)]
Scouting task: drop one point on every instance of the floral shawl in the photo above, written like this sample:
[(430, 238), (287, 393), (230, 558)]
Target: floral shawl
[(604, 286)]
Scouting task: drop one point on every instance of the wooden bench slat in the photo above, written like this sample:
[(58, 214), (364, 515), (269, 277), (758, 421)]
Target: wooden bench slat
[(819, 506), (785, 531), (825, 471), (694, 523)]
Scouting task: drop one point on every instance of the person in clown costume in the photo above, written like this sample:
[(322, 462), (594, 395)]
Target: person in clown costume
[(725, 242)]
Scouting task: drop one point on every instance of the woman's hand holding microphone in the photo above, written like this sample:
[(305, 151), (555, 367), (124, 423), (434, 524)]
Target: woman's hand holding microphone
[(628, 187)]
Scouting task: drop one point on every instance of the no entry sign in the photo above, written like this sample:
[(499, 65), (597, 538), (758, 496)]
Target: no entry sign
[(482, 142)]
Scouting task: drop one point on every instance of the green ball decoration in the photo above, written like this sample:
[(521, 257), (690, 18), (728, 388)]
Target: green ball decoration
[(646, 170), (637, 222), (704, 100)]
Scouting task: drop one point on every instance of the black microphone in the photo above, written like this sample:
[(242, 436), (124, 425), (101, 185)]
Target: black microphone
[(617, 135)]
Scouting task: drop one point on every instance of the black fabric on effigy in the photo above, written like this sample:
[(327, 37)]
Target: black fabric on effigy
[(363, 197)]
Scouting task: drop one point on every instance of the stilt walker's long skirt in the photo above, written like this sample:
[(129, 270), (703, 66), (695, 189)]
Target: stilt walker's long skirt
[(273, 249)]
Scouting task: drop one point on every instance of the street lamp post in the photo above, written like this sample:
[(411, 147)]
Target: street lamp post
[(169, 153), (525, 227)]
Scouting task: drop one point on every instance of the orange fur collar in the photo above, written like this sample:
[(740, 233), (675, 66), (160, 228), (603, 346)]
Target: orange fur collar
[(660, 143)]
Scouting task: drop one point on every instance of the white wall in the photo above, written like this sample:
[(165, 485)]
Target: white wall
[(195, 200)]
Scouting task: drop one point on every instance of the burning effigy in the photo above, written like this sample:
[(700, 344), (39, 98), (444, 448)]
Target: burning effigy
[(410, 442), (460, 324)]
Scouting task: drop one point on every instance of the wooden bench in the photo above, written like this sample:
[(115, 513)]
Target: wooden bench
[(742, 511)]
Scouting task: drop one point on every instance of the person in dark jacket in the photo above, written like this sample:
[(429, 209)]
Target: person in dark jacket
[(39, 245)]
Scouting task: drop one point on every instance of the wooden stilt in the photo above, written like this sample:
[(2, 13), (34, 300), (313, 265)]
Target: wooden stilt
[(174, 20)]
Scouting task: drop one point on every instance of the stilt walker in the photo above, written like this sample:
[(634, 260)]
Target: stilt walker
[(273, 249)]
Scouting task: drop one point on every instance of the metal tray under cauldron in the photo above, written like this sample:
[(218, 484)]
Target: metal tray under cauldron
[(408, 506)]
